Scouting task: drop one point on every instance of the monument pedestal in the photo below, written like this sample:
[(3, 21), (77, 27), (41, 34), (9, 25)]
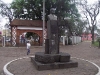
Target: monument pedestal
[(52, 58), (44, 61)]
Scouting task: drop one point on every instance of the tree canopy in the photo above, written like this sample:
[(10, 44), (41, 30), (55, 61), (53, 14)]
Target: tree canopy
[(32, 9), (90, 11), (6, 11)]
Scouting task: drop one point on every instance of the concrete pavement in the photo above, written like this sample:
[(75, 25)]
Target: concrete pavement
[(82, 50)]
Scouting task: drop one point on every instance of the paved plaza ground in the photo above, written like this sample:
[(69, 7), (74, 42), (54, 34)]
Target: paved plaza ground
[(82, 50)]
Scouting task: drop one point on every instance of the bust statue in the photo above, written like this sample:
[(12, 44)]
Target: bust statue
[(52, 15), (52, 32)]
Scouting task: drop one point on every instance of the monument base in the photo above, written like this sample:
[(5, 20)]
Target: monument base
[(44, 61)]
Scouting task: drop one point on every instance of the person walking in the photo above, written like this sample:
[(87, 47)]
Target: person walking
[(28, 47)]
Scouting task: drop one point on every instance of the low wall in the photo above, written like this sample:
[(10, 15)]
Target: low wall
[(74, 39)]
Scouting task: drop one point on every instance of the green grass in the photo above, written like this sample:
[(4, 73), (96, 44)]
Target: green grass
[(96, 43)]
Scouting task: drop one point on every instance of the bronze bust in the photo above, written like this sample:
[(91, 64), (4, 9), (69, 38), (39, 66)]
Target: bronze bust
[(52, 15)]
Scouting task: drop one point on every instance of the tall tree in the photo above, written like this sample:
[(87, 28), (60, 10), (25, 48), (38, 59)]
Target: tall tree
[(32, 9), (80, 27), (77, 28), (90, 11), (6, 11)]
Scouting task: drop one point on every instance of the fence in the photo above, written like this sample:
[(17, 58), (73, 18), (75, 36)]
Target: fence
[(71, 40)]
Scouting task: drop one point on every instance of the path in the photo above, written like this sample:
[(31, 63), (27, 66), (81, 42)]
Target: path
[(82, 50)]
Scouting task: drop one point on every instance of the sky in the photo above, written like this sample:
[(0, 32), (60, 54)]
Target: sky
[(9, 1), (92, 1)]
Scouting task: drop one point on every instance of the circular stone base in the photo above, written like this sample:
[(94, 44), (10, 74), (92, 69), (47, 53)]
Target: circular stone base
[(26, 67)]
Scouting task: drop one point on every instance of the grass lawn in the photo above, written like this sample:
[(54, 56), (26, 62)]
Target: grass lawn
[(96, 43)]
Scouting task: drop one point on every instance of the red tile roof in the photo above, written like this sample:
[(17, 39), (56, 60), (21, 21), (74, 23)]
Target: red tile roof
[(28, 23)]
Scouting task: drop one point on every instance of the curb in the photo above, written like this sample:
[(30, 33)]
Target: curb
[(6, 72), (91, 63)]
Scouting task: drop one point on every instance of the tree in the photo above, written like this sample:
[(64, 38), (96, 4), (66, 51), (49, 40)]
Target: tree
[(76, 28), (91, 12), (80, 27), (6, 11), (32, 9)]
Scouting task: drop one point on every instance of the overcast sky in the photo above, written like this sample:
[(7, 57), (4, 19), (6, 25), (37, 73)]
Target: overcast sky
[(9, 1)]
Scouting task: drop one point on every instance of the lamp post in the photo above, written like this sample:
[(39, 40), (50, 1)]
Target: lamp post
[(43, 19)]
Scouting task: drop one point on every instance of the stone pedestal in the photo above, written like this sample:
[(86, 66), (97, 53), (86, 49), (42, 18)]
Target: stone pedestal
[(52, 58), (44, 61), (52, 35)]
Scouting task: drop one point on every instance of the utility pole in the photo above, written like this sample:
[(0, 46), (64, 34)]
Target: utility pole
[(43, 19)]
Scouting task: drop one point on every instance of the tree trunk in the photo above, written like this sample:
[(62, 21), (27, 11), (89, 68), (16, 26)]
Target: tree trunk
[(93, 35)]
